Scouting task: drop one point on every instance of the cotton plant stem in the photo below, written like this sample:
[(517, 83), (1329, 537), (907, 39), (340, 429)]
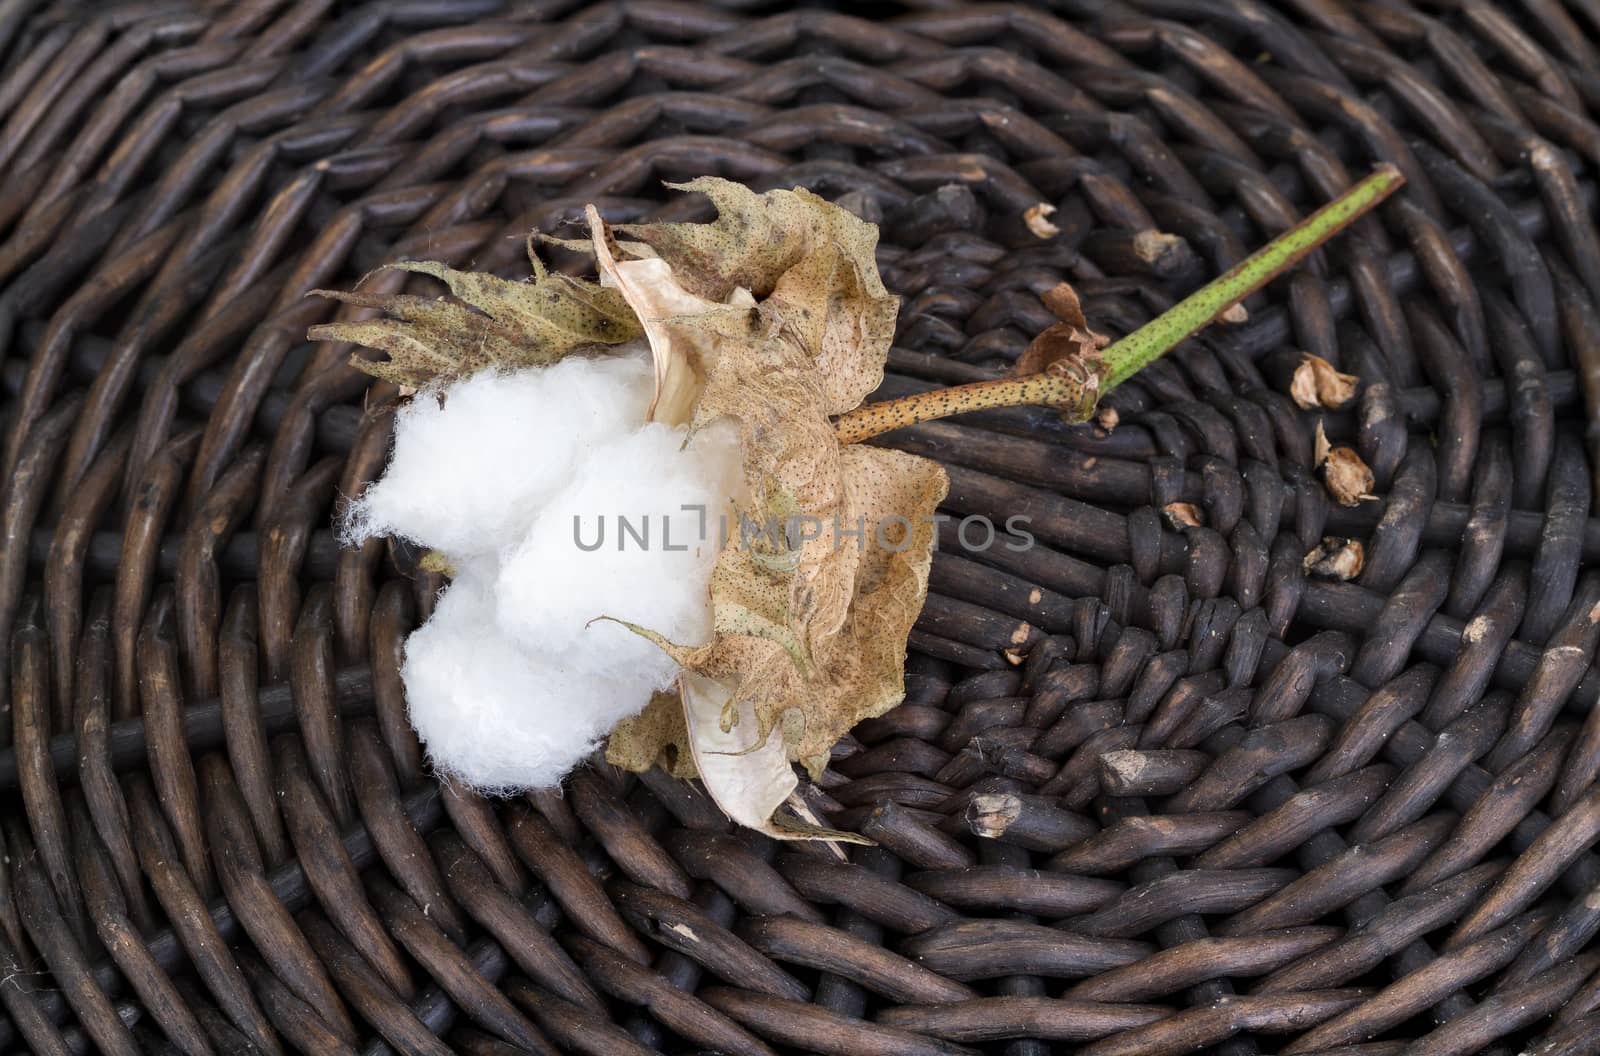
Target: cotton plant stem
[(1123, 359)]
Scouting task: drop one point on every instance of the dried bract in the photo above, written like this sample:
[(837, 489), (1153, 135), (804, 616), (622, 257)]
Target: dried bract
[(497, 323), (1068, 348), (774, 316)]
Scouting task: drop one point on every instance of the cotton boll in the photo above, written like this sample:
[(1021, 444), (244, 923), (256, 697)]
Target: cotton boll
[(495, 714), (512, 683), (467, 477), (656, 575)]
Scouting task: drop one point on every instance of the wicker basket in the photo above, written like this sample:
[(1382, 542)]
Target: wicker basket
[(1156, 788)]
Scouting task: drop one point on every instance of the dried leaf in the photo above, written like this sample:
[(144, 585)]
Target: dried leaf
[(434, 561), (661, 723), (1348, 478), (1317, 384), (856, 670), (496, 323)]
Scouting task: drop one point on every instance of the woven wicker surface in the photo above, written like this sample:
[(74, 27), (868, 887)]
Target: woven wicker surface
[(1154, 789)]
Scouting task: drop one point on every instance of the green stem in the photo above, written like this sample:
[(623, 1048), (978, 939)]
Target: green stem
[(1125, 358)]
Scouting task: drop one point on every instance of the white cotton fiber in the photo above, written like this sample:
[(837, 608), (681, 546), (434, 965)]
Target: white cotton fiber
[(514, 679), (494, 714), (651, 559), (469, 472)]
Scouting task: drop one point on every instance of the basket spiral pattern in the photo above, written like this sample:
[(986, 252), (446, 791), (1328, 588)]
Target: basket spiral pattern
[(1154, 788)]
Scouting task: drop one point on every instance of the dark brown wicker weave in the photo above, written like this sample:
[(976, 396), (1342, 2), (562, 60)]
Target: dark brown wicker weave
[(1342, 816)]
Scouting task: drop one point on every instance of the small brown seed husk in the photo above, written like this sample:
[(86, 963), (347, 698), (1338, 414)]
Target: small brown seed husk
[(1317, 384), (1150, 246), (1181, 515), (1335, 558), (1345, 475), (1035, 216)]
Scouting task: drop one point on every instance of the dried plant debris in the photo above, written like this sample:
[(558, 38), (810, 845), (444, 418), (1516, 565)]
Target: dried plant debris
[(1316, 383), (1335, 558), (766, 322), (1064, 343), (493, 322), (1181, 515), (1153, 246), (1037, 217), (1345, 475)]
